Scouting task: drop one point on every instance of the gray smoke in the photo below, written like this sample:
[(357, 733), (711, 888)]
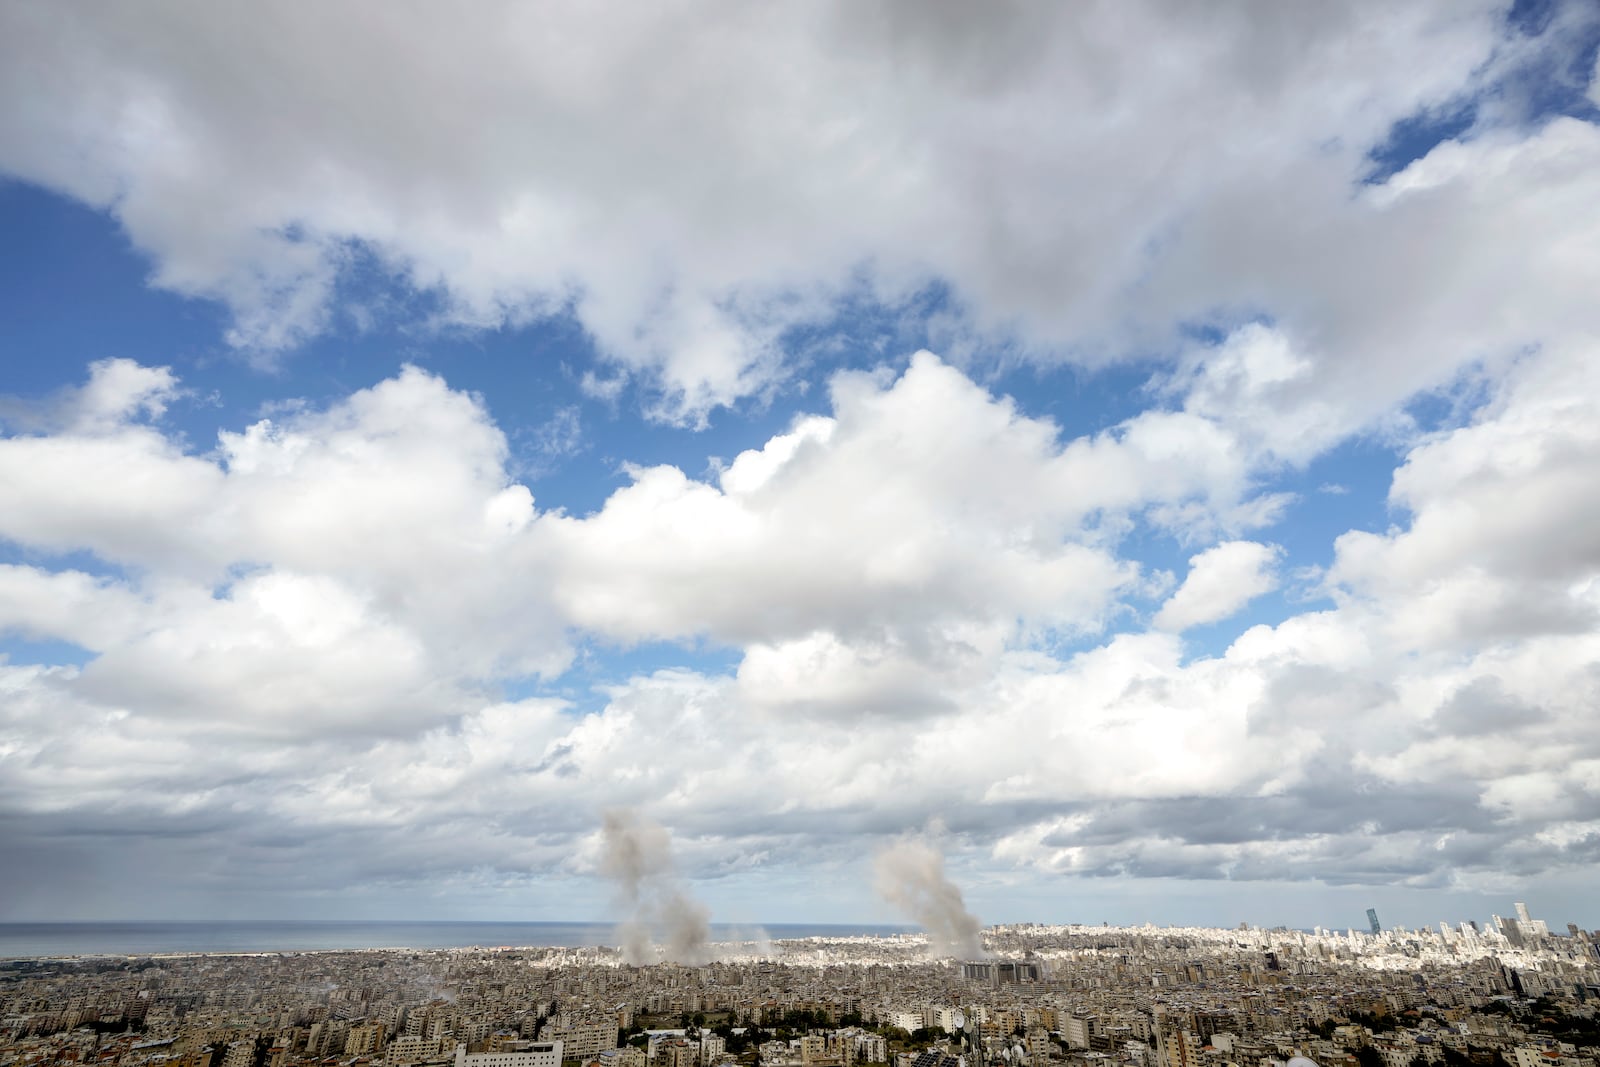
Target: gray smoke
[(637, 854), (910, 875), (687, 925), (747, 941), (634, 937), (636, 851)]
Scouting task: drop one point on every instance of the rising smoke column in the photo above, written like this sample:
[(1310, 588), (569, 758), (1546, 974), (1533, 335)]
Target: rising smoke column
[(910, 875), (688, 927), (633, 851), (637, 854)]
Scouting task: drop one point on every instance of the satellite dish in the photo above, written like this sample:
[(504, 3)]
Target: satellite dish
[(960, 1019), (1301, 1061)]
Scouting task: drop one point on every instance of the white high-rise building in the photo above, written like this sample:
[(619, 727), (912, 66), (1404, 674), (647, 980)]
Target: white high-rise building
[(1531, 927)]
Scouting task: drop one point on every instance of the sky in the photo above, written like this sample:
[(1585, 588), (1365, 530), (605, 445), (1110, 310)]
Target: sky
[(1145, 451)]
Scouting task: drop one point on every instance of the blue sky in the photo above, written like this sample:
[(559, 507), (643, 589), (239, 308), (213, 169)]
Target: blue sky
[(1143, 457)]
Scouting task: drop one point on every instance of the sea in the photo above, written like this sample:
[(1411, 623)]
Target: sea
[(178, 937)]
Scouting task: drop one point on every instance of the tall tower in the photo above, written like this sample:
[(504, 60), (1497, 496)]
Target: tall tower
[(1372, 920)]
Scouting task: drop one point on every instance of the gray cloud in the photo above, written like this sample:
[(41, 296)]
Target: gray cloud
[(1482, 707)]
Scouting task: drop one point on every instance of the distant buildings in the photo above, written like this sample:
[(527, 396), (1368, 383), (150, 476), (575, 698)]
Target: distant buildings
[(998, 973)]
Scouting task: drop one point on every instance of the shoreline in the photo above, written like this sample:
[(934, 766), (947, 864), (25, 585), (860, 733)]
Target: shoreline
[(746, 935)]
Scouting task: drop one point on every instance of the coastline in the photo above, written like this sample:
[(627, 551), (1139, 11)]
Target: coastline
[(172, 938)]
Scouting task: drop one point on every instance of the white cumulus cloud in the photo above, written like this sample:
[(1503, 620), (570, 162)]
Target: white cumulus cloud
[(1221, 580), (694, 180)]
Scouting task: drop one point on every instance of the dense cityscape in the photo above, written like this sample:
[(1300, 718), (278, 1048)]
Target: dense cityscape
[(1510, 993)]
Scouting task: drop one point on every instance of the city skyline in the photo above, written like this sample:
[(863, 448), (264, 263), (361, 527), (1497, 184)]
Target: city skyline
[(720, 941), (1102, 463), (1071, 996)]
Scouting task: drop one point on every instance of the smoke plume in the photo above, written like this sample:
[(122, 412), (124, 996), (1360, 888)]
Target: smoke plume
[(910, 875), (637, 855)]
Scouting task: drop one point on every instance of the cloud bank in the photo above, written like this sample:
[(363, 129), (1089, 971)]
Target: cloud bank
[(694, 183), (296, 632), (1030, 332)]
